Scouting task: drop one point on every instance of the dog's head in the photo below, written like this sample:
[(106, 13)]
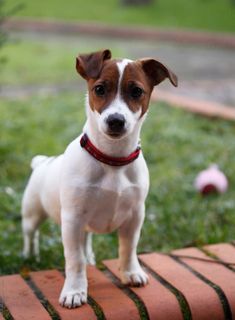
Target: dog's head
[(119, 90)]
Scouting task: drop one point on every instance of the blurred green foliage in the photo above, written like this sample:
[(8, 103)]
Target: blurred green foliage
[(3, 36), (176, 145), (5, 13), (214, 15)]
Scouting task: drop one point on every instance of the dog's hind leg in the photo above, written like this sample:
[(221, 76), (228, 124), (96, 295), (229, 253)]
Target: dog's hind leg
[(36, 250), (32, 217), (90, 256)]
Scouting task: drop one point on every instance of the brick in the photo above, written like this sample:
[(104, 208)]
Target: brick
[(209, 109), (20, 299), (224, 251), (1, 317), (160, 302), (202, 299), (50, 284), (218, 274), (129, 32), (115, 303)]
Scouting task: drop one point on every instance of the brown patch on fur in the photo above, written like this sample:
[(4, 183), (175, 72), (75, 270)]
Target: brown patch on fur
[(109, 78), (90, 65), (144, 74), (134, 76), (157, 72), (99, 70)]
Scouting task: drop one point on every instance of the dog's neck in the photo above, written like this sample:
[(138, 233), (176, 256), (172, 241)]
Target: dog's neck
[(111, 147)]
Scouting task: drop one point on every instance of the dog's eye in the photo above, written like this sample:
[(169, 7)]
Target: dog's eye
[(136, 92), (100, 90)]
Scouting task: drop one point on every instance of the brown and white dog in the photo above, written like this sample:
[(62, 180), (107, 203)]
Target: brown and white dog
[(99, 184)]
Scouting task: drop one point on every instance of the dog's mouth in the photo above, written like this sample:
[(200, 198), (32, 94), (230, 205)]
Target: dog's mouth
[(115, 135)]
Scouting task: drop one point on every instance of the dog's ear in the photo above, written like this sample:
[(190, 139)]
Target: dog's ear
[(157, 72), (90, 65)]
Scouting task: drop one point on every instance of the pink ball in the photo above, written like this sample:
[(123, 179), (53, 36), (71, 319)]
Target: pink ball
[(211, 180)]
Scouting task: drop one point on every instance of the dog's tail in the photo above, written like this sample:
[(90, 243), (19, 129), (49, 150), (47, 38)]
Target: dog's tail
[(37, 160)]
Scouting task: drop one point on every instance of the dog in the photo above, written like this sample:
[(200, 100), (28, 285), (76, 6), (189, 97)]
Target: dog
[(100, 183)]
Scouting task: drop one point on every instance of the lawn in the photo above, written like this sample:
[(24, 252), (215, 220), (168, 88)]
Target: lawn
[(213, 15), (176, 144), (38, 59)]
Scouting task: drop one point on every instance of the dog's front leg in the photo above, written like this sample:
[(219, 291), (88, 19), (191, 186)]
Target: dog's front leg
[(129, 233), (74, 292)]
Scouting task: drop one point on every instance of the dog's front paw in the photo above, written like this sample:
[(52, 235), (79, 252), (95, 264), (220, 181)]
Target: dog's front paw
[(135, 278), (73, 299)]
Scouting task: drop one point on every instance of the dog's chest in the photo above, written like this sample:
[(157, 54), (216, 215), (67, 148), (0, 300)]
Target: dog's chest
[(110, 201)]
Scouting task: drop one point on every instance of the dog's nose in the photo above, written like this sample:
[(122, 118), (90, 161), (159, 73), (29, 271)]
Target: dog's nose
[(116, 122)]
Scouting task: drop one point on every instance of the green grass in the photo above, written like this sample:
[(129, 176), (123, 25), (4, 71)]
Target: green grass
[(176, 146), (214, 15), (46, 60), (28, 60)]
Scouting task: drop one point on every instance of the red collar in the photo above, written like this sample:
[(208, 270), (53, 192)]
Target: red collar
[(86, 143)]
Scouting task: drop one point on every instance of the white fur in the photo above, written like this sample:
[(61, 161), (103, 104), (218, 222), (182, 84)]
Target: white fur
[(37, 160), (83, 195)]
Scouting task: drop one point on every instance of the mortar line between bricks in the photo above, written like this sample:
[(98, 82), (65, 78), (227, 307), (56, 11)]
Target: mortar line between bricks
[(96, 308), (42, 299), (183, 303), (1, 305), (5, 311), (219, 260), (183, 256), (93, 304), (220, 293), (143, 312), (232, 243)]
